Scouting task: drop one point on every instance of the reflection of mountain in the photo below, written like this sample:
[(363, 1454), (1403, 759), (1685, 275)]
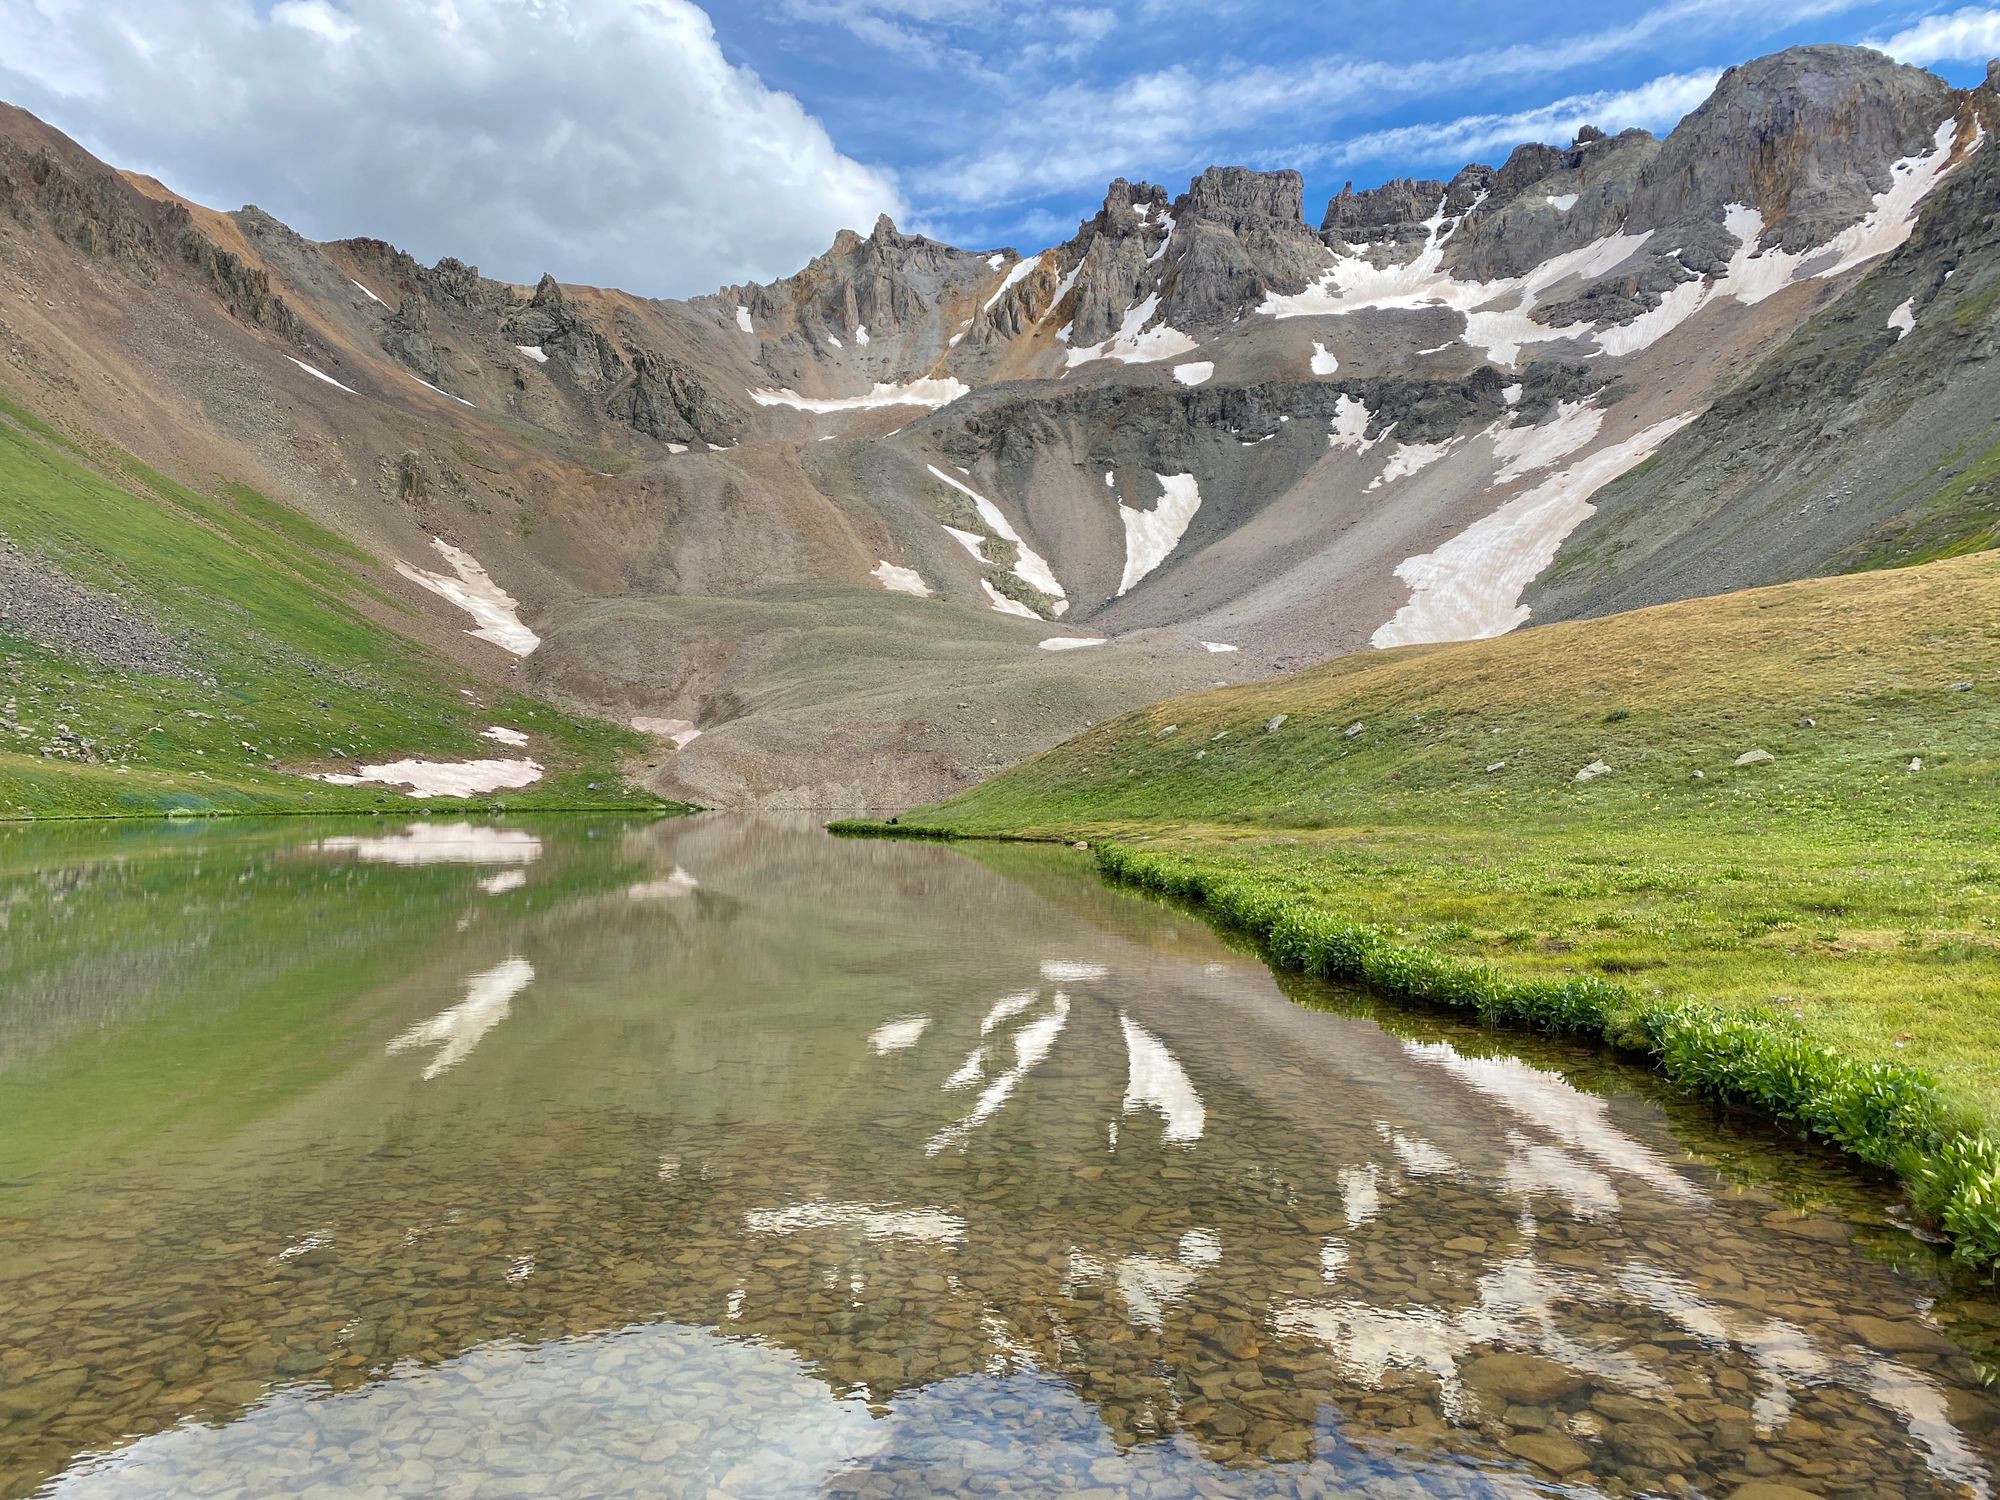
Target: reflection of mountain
[(1114, 1203)]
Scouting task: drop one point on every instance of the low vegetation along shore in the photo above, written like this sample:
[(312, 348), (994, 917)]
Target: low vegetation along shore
[(1756, 838)]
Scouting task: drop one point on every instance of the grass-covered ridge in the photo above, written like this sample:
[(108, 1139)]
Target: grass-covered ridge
[(282, 665), (1792, 932)]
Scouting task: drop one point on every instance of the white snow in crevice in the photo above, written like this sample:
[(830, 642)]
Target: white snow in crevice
[(833, 340), (534, 352), (861, 334), (677, 447), (442, 778), (1156, 1080), (322, 375), (1470, 588), (473, 591), (995, 261), (1110, 479), (971, 541), (1522, 450), (501, 734), (681, 732), (1019, 271), (431, 843), (1134, 343), (1219, 646), (1562, 203), (1904, 318), (1323, 360), (1028, 564), (1152, 535), (1160, 250), (1004, 605), (446, 394), (1511, 395), (1411, 458), (901, 580), (743, 319), (1349, 427), (1194, 373), (898, 1036), (1071, 642), (366, 293), (489, 998), (875, 1221), (931, 392)]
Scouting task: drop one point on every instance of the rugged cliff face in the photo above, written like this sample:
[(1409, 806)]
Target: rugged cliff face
[(915, 510)]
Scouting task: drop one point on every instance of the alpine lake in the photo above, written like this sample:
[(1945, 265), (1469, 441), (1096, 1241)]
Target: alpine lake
[(592, 1156)]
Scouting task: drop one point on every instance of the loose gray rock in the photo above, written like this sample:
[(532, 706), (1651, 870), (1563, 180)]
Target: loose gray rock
[(1755, 758), (1276, 722), (1592, 771)]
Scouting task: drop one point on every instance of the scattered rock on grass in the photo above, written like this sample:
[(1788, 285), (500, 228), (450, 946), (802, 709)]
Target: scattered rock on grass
[(1276, 722), (1592, 771), (1755, 758)]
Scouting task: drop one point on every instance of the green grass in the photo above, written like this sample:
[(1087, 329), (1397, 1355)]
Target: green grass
[(291, 661), (1840, 906)]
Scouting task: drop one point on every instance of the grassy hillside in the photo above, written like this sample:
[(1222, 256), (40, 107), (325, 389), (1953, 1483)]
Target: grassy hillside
[(263, 664), (1843, 885)]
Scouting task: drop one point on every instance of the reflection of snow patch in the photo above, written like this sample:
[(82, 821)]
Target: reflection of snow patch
[(475, 592), (898, 1036), (1360, 1194), (1070, 971), (1152, 535), (443, 778), (928, 392), (1005, 1009), (675, 884), (505, 881), (920, 1226), (1156, 1080), (441, 844), (1031, 1045), (489, 997), (901, 580), (1470, 588)]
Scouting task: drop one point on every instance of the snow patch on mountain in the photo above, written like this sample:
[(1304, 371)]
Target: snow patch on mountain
[(1029, 566), (322, 375), (1470, 588), (1323, 361), (475, 592), (1071, 642), (932, 392), (1522, 450), (442, 778), (1349, 427), (1194, 373), (1134, 343), (1015, 274), (901, 580), (534, 352), (1005, 605), (1152, 535), (1904, 318), (743, 319), (1411, 458)]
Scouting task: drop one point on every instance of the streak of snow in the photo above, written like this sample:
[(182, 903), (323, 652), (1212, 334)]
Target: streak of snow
[(1071, 642), (681, 731), (1195, 373), (901, 580), (861, 334), (447, 394), (1218, 646), (1152, 535), (503, 735), (535, 352), (1410, 458), (743, 319), (1522, 450), (475, 592), (1005, 605), (1160, 250), (1029, 566), (971, 541), (1470, 588), (1015, 274), (931, 391), (322, 375), (368, 294), (1904, 318), (1134, 343)]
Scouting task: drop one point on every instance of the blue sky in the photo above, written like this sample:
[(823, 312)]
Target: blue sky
[(1003, 122), (671, 148)]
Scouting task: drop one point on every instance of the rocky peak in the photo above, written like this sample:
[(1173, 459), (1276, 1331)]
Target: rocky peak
[(1805, 136), (1240, 199), (1394, 213), (548, 321)]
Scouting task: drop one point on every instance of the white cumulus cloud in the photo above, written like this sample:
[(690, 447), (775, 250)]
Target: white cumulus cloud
[(1968, 35), (607, 140)]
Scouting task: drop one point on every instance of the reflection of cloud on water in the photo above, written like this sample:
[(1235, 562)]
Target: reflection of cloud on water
[(669, 887), (1150, 1284), (725, 1398), (440, 844), (455, 1032)]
